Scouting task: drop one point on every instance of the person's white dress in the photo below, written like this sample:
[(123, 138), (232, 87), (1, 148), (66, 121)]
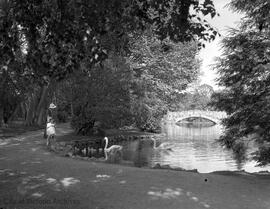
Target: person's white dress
[(50, 129), (50, 132)]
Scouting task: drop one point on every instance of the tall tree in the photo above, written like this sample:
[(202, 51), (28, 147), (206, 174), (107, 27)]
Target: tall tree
[(244, 71), (102, 96), (162, 70)]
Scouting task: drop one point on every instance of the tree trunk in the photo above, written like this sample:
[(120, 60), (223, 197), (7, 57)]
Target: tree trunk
[(23, 110), (71, 100), (41, 116), (37, 104), (15, 112), (41, 103), (71, 109), (1, 115), (31, 110)]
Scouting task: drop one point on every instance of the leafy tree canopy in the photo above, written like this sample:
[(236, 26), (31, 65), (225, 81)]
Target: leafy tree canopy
[(162, 69), (43, 41), (58, 34)]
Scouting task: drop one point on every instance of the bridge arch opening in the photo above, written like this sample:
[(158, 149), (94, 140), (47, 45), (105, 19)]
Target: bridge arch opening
[(195, 121)]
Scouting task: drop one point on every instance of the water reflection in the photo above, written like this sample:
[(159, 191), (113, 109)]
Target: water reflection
[(195, 122), (194, 148)]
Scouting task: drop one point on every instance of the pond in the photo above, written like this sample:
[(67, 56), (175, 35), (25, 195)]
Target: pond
[(193, 147)]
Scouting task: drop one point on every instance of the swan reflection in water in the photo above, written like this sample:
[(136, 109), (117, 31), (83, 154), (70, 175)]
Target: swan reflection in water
[(163, 146)]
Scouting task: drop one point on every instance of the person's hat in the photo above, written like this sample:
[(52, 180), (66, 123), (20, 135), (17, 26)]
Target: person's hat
[(52, 106)]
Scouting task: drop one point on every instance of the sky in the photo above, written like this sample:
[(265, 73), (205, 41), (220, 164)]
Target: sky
[(227, 19)]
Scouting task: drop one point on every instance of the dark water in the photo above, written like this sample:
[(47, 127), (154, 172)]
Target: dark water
[(193, 148)]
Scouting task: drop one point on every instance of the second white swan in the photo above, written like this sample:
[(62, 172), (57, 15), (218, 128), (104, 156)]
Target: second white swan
[(162, 146)]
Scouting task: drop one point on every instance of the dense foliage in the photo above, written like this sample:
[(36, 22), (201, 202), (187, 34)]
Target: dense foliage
[(162, 70), (135, 90), (244, 71), (102, 96), (43, 42), (199, 98)]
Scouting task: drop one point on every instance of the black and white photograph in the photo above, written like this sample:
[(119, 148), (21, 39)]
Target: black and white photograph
[(134, 104)]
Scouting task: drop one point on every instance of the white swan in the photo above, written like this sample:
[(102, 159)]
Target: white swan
[(112, 153), (162, 146)]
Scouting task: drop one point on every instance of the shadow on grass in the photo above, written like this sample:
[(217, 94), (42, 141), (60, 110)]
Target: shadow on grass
[(156, 193), (35, 185), (17, 129)]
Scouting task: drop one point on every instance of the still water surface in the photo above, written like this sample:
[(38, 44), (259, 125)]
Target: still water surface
[(193, 148)]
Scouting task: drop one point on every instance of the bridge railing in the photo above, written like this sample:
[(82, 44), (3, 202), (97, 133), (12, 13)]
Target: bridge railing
[(214, 115)]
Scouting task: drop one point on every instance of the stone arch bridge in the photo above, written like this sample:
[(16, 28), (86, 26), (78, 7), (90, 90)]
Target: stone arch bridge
[(214, 116)]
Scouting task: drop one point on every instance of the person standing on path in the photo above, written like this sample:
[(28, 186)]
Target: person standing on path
[(50, 115), (50, 131)]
